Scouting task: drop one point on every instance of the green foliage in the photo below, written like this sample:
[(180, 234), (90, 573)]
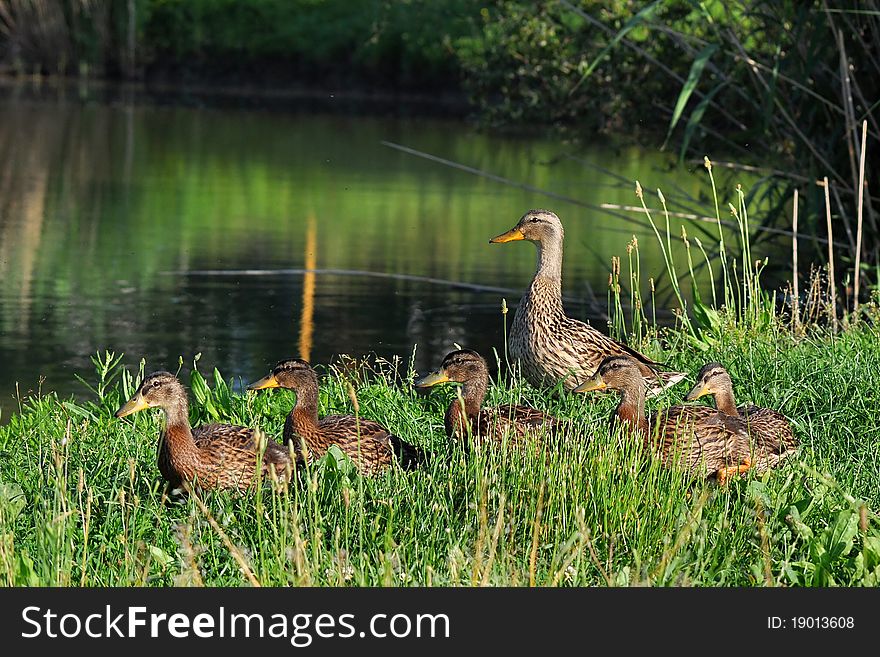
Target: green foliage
[(396, 44), (784, 83), (81, 500)]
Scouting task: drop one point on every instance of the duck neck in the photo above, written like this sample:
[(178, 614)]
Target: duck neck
[(631, 409), (724, 400), (303, 418), (178, 436), (472, 394), (546, 287), (549, 264)]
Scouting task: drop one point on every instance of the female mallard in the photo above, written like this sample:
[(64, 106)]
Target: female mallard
[(771, 430), (212, 455), (465, 416), (549, 345), (370, 445), (706, 442)]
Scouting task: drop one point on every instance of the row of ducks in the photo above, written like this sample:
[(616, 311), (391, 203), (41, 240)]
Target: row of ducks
[(549, 347), (705, 441)]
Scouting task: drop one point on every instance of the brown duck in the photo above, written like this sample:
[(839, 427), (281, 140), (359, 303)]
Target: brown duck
[(549, 345), (210, 456), (369, 445), (705, 441), (465, 416), (770, 430)]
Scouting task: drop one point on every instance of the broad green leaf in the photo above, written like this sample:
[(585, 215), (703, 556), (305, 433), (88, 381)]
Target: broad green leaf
[(694, 120), (871, 550), (160, 556), (839, 537), (26, 574), (689, 85), (12, 501), (794, 519), (707, 317), (79, 410)]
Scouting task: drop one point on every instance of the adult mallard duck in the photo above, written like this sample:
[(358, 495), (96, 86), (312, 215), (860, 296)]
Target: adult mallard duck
[(770, 430), (370, 445), (212, 455), (704, 441), (549, 345), (465, 416)]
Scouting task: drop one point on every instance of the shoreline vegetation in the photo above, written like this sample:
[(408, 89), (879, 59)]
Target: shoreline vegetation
[(789, 90), (81, 500)]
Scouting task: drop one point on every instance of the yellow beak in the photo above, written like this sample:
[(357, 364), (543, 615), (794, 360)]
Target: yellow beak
[(266, 382), (593, 383), (432, 379), (512, 235), (698, 391), (133, 405)]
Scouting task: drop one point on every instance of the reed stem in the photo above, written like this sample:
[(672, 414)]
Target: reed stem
[(832, 290), (861, 192)]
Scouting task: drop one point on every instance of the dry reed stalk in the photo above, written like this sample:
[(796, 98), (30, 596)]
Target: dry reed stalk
[(832, 293), (794, 261), (861, 192)]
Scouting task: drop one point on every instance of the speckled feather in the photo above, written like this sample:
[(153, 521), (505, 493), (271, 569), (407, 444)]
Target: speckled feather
[(514, 423), (211, 456), (698, 439), (770, 430), (225, 456), (367, 443), (549, 345)]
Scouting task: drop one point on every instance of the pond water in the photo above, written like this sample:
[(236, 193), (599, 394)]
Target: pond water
[(162, 231)]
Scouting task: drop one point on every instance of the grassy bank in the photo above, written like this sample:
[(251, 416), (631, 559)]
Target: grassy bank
[(81, 499)]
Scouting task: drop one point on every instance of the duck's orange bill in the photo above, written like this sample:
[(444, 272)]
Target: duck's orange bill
[(512, 235), (432, 379), (594, 383), (698, 391), (266, 382), (133, 405)]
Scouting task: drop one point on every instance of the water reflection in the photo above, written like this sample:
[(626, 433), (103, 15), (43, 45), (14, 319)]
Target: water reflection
[(107, 208)]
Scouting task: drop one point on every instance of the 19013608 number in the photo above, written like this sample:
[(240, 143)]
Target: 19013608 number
[(822, 622)]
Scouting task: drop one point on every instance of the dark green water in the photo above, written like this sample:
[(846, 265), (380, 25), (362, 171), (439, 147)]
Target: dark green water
[(108, 211)]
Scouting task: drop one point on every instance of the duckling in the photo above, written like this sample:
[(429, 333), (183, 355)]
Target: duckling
[(708, 442), (771, 430), (549, 345), (466, 415), (369, 445), (210, 456)]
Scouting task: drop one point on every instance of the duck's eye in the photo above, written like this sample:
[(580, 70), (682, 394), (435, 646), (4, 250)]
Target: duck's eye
[(534, 220)]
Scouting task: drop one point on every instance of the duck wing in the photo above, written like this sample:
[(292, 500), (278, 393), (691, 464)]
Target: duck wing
[(368, 443), (516, 422), (589, 347)]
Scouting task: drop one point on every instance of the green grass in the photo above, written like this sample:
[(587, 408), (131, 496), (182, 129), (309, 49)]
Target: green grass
[(82, 497)]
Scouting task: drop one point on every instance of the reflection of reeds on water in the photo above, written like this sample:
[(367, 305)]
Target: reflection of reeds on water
[(307, 315)]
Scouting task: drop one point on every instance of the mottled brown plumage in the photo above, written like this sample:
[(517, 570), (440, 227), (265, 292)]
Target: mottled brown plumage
[(771, 431), (549, 345), (210, 456), (369, 445), (464, 416), (699, 439)]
